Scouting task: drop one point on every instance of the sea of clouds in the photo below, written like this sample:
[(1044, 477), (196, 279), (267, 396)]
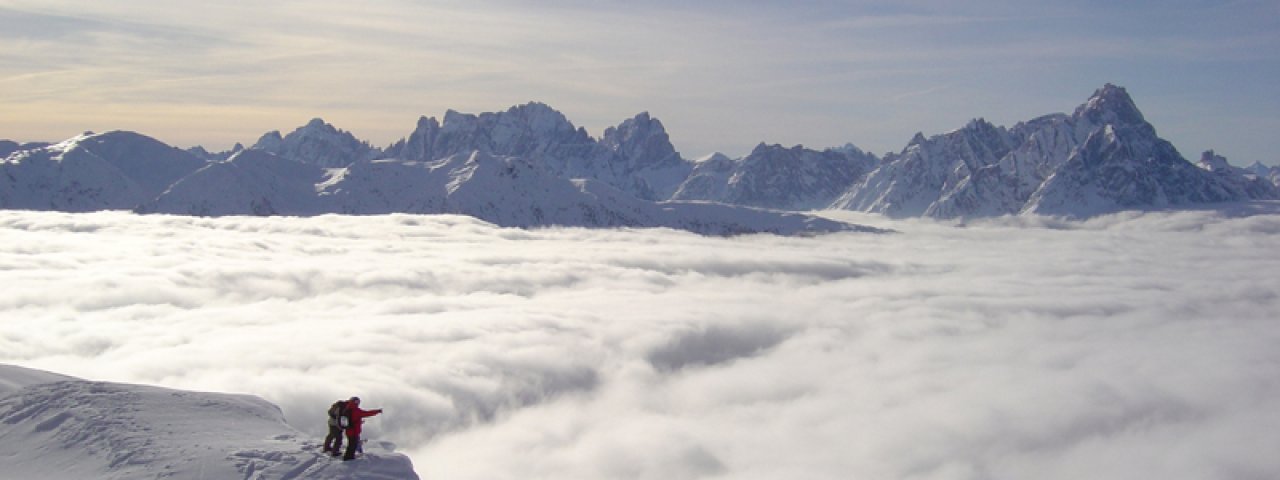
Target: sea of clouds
[(1136, 345)]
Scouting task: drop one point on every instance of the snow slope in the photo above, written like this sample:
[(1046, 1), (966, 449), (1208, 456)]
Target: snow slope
[(54, 427), (513, 192), (89, 172), (251, 182)]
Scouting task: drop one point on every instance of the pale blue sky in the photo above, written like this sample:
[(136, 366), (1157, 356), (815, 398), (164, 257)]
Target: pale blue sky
[(722, 75)]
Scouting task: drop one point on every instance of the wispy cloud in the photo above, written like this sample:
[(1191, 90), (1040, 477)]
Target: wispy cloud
[(705, 68)]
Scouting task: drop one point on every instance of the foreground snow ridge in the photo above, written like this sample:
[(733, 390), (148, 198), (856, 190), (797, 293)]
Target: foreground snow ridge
[(57, 427)]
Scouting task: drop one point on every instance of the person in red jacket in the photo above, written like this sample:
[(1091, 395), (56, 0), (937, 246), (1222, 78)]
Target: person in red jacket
[(356, 416)]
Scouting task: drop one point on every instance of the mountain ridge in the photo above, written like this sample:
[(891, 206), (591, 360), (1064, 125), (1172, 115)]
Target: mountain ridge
[(1102, 157)]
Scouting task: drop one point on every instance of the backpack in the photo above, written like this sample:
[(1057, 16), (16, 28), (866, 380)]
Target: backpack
[(338, 414)]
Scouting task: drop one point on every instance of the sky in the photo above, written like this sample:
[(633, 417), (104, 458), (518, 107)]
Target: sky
[(721, 75), (1133, 345)]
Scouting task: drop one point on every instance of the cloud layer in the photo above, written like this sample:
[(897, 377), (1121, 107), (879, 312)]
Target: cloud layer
[(1132, 345)]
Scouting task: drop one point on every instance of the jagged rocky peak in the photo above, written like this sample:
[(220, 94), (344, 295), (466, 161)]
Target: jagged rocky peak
[(269, 141), (849, 149), (763, 149), (982, 126), (317, 127), (769, 153), (1213, 162), (918, 139), (536, 117), (319, 143), (520, 130), (1110, 105), (541, 118), (1262, 171), (419, 145), (641, 139), (428, 123)]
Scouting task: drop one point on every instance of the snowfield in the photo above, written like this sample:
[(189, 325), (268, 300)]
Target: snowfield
[(55, 427), (1131, 345)]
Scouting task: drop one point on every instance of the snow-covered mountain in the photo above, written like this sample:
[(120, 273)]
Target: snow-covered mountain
[(635, 157), (252, 182), (773, 176), (89, 172), (507, 191), (529, 165), (1103, 157), (931, 175), (123, 171), (55, 427), (1123, 164), (708, 179), (1253, 181), (1258, 170), (317, 143), (645, 151)]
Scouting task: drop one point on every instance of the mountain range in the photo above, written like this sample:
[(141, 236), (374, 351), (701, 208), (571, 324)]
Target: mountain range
[(530, 166)]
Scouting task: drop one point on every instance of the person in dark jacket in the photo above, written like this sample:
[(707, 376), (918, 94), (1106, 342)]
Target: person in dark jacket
[(357, 416), (333, 442)]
